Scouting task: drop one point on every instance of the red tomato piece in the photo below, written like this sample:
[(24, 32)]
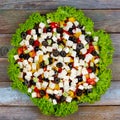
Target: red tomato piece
[(36, 90), (28, 32), (36, 43), (20, 50), (54, 25), (60, 70)]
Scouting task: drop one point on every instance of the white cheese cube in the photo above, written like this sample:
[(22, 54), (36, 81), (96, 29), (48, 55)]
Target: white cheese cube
[(55, 91), (34, 94), (44, 84), (84, 78), (59, 93), (51, 78), (22, 43), (82, 37), (49, 91), (38, 85), (95, 38), (27, 43), (36, 74), (84, 42), (96, 79), (39, 52), (84, 71), (35, 37), (51, 73), (61, 84), (43, 49), (49, 49), (76, 23), (33, 32), (30, 48), (54, 38), (45, 57), (25, 62), (49, 67), (81, 62), (78, 30), (52, 85), (28, 37), (20, 75), (29, 74), (29, 90), (55, 46), (16, 57), (92, 75), (42, 25), (69, 43), (46, 74), (40, 71), (20, 64), (73, 54), (36, 59), (66, 49), (30, 60), (84, 51), (88, 57), (54, 101), (81, 87), (34, 66), (67, 59), (88, 32), (69, 99), (74, 46), (73, 88), (69, 24), (40, 30), (49, 34), (28, 78), (96, 60)]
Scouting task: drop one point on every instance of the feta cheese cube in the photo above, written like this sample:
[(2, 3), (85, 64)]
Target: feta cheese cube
[(30, 60), (67, 59), (36, 59), (54, 38), (28, 78), (76, 23), (46, 74), (65, 36), (34, 94), (44, 84), (69, 99), (55, 46), (84, 51), (28, 37), (16, 57), (27, 43), (29, 74), (30, 48), (40, 30), (54, 101), (20, 64), (92, 75), (49, 49), (39, 52), (42, 25), (35, 37), (33, 32), (34, 66), (25, 62), (45, 57), (40, 71), (51, 85), (66, 49), (20, 75), (22, 43), (88, 57), (69, 43), (74, 46), (81, 62), (73, 54), (84, 71), (29, 90), (55, 91), (38, 85), (96, 60), (61, 84), (95, 38), (49, 91), (81, 87)]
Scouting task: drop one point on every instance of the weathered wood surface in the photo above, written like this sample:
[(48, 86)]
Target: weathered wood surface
[(14, 98), (108, 20), (105, 14), (53, 4), (84, 113)]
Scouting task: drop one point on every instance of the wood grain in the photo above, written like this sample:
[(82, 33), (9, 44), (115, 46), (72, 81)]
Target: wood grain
[(15, 98), (84, 113), (108, 20), (53, 4)]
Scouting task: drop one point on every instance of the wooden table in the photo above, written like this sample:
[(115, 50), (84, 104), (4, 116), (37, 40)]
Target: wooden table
[(17, 106)]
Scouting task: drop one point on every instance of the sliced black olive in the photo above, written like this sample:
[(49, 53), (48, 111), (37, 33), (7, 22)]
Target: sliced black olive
[(36, 48), (23, 35), (80, 26), (79, 92), (81, 56), (32, 82), (49, 29), (94, 53), (70, 65), (42, 64), (93, 68), (59, 65), (45, 43), (88, 91), (55, 53), (31, 41), (26, 56), (52, 96), (88, 38), (83, 32), (70, 30), (72, 38), (75, 99), (62, 98), (21, 55), (42, 93), (79, 78), (50, 60), (79, 46), (59, 30), (63, 53), (46, 79), (56, 80)]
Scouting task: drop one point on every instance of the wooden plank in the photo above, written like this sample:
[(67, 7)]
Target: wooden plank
[(108, 20), (53, 4), (84, 113), (15, 98)]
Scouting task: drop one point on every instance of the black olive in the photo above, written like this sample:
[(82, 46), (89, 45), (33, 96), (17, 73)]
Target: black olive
[(32, 82), (79, 46), (49, 29), (26, 56), (59, 30), (55, 53), (36, 48), (50, 60), (79, 92), (70, 65), (93, 68), (94, 53), (21, 55), (75, 99), (42, 93), (79, 78), (88, 91), (81, 56), (70, 30), (56, 80), (63, 53), (72, 38), (52, 96), (31, 41), (36, 26), (80, 26), (26, 83), (23, 35), (46, 79), (45, 43), (59, 65), (62, 98), (42, 64), (56, 72), (88, 38), (83, 32)]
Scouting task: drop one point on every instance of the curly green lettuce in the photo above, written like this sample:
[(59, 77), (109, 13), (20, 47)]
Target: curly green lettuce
[(106, 53)]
